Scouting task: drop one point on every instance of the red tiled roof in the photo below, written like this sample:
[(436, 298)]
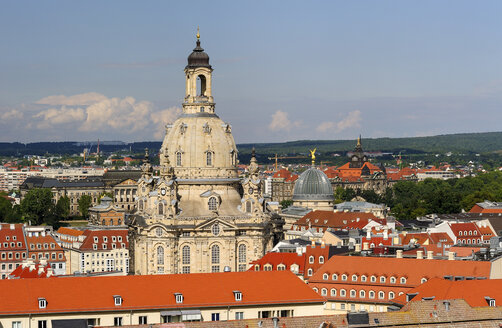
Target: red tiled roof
[(419, 238), (463, 251), (333, 219), (276, 258), (440, 237), (69, 231), (472, 291), (22, 272), (466, 226), (153, 292), (413, 269), (12, 239), (99, 235)]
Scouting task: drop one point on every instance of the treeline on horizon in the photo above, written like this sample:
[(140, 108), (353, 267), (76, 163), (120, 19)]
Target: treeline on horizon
[(486, 142)]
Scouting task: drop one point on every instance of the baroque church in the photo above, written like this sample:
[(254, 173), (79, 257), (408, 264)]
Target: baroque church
[(197, 214)]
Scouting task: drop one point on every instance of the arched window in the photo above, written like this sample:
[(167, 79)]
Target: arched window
[(364, 278), (344, 277), (423, 280), (215, 254), (381, 295), (321, 259), (391, 295), (460, 233), (324, 292), (201, 85), (475, 232), (465, 232), (161, 209), (141, 205), (373, 279), (185, 255), (310, 272), (334, 276), (160, 255), (325, 276), (371, 294), (403, 280), (311, 259), (382, 279), (212, 204), (333, 292), (343, 293), (470, 232), (315, 289), (362, 294), (354, 277), (209, 158), (248, 206), (242, 253), (353, 293), (392, 280), (178, 159)]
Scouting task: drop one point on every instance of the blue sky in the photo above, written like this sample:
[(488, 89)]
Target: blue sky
[(291, 70)]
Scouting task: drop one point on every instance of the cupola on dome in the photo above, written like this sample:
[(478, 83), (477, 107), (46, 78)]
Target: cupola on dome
[(198, 58), (313, 184)]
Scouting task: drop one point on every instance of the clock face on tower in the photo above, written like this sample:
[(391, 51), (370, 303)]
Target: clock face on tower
[(163, 191)]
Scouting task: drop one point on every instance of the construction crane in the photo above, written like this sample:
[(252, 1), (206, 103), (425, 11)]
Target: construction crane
[(284, 157)]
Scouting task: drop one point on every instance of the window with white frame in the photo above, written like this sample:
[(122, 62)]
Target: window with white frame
[(373, 279), (382, 279), (143, 320), (381, 295), (118, 300), (16, 324), (334, 276), (343, 292), (117, 321), (423, 280), (238, 295), (321, 259), (371, 294), (325, 276), (403, 280), (353, 293), (178, 297), (333, 292), (362, 294), (311, 259), (310, 272), (391, 295), (324, 292), (344, 277), (354, 277), (42, 303), (364, 278), (393, 280)]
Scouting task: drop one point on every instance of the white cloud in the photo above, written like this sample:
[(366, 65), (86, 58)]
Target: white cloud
[(83, 99), (280, 121), (161, 118), (117, 114), (13, 114), (60, 116), (352, 120)]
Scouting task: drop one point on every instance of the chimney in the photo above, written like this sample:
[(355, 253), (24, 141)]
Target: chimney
[(43, 261), (399, 254), (358, 247), (313, 244), (50, 272), (451, 256), (420, 255), (368, 234), (40, 269), (323, 244), (430, 255), (386, 234), (366, 246), (12, 227), (32, 265)]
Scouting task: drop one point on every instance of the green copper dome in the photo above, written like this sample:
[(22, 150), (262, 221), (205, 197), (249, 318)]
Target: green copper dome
[(313, 184)]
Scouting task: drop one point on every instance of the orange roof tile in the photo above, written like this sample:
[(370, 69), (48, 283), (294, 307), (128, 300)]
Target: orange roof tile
[(334, 219), (97, 237), (153, 292), (69, 231), (472, 291), (276, 258)]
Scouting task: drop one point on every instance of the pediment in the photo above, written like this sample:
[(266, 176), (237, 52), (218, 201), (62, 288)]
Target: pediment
[(127, 182), (209, 193), (209, 223)]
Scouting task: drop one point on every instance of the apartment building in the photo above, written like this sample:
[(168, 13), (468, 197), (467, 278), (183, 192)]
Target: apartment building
[(12, 248)]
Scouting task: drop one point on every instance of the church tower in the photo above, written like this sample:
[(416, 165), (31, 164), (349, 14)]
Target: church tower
[(358, 158), (197, 215)]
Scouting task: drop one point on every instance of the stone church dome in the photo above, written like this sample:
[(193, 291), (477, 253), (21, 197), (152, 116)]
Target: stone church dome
[(313, 185)]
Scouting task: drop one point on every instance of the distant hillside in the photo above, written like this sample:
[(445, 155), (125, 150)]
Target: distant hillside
[(464, 142)]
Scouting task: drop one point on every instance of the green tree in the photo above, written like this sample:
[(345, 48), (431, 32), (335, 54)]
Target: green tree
[(5, 209), (84, 202), (62, 209), (286, 203), (37, 206)]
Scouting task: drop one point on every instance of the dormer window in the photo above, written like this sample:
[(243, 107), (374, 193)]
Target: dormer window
[(238, 295), (42, 303), (118, 300), (95, 239), (491, 301), (179, 297), (105, 239)]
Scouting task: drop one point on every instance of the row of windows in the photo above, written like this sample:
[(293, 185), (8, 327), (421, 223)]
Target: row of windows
[(475, 233), (209, 158), (12, 245), (39, 246), (470, 241), (105, 239), (312, 259), (364, 278), (11, 256), (353, 293), (215, 255), (105, 246)]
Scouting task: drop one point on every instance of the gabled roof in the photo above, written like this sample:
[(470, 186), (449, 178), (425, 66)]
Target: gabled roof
[(23, 271), (199, 290), (474, 292), (467, 226), (10, 237), (69, 232)]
